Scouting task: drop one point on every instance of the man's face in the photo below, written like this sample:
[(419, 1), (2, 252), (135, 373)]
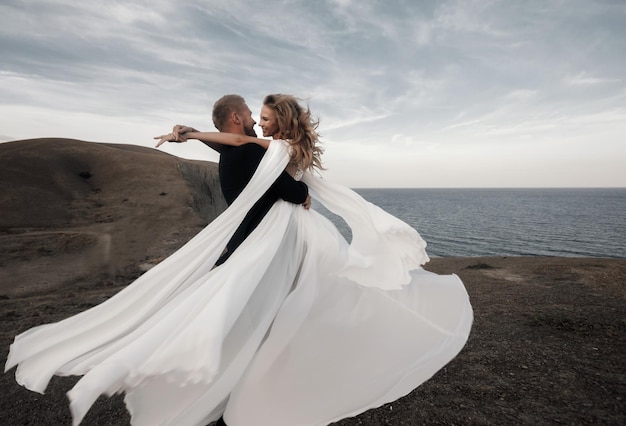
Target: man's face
[(248, 122), (268, 122)]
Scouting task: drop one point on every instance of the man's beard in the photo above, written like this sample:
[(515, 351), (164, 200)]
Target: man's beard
[(249, 131)]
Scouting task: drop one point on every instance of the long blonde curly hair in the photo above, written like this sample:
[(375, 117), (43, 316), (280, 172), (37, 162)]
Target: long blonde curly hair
[(298, 128)]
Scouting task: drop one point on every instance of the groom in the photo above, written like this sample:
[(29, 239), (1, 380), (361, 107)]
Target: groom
[(237, 164)]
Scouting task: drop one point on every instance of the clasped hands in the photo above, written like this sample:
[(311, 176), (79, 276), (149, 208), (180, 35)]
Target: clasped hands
[(177, 135)]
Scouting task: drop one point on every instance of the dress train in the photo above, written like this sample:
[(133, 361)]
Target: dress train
[(298, 327)]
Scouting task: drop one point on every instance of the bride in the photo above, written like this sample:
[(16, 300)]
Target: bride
[(297, 327)]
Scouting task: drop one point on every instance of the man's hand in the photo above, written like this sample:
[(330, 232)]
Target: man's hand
[(307, 203), (179, 132)]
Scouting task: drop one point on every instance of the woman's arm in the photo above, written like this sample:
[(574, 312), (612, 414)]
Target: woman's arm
[(232, 139), (211, 138)]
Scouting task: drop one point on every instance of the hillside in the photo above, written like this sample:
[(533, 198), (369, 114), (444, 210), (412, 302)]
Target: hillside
[(71, 208)]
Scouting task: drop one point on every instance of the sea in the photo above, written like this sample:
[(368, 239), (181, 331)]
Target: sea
[(569, 222)]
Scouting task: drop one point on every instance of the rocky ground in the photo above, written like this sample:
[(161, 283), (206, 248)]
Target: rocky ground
[(79, 221)]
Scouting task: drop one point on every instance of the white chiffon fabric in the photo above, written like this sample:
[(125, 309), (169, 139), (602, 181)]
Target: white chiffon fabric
[(298, 327)]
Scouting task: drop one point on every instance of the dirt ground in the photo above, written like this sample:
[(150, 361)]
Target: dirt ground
[(79, 221), (547, 347)]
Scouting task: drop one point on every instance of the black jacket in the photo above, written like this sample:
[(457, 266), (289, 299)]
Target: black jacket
[(236, 167)]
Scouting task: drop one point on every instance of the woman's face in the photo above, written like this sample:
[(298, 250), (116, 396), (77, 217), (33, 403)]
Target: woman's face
[(268, 122)]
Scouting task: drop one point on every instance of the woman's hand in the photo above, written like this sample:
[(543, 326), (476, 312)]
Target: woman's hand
[(177, 135), (167, 138)]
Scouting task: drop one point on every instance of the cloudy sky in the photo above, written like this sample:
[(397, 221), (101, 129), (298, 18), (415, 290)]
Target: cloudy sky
[(413, 93)]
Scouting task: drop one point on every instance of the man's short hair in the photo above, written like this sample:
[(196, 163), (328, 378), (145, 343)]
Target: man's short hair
[(224, 106)]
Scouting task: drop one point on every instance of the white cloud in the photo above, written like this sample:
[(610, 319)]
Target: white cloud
[(584, 79), (395, 84)]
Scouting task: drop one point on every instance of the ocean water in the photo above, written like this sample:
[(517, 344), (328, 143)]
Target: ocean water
[(509, 222)]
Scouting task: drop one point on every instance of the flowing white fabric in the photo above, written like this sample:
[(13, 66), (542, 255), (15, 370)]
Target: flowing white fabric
[(298, 327)]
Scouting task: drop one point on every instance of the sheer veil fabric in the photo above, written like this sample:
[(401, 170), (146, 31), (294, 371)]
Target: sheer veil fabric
[(298, 327)]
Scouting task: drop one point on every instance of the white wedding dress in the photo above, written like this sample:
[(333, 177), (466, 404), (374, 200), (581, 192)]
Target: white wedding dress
[(298, 327)]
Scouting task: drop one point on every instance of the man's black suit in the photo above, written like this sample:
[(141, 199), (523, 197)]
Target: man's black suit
[(236, 167)]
